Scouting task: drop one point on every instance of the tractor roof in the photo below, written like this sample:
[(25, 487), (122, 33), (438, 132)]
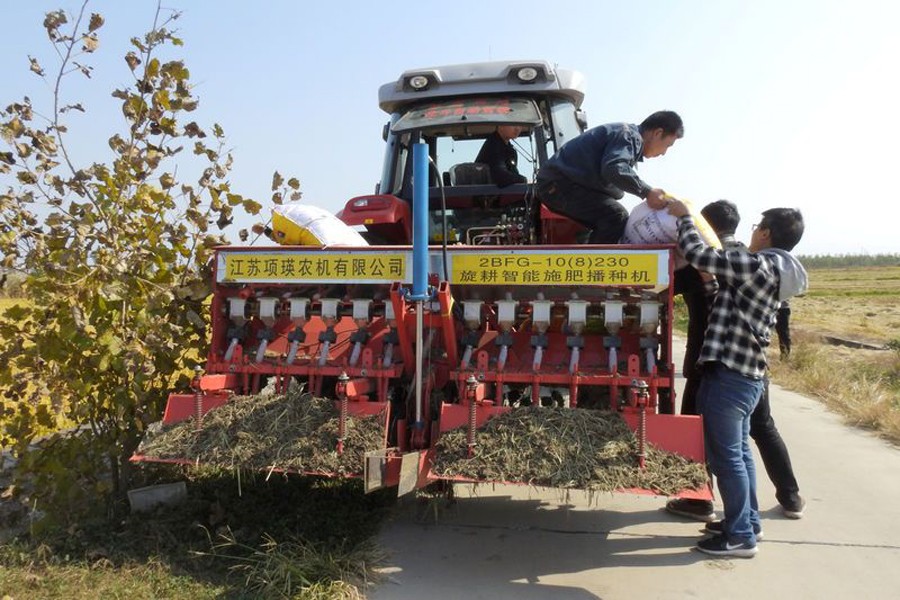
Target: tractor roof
[(531, 77)]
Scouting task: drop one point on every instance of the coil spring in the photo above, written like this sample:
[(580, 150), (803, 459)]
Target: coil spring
[(198, 400), (470, 434), (642, 437), (471, 388), (342, 423)]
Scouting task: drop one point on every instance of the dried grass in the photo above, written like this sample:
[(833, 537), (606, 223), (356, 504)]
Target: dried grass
[(296, 568), (862, 385), (292, 432), (566, 448), (556, 447)]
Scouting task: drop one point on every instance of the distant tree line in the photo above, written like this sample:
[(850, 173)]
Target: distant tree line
[(826, 261)]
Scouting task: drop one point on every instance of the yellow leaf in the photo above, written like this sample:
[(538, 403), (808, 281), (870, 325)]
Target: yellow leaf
[(162, 98), (251, 206), (26, 178), (96, 22), (35, 66), (133, 61), (90, 42), (15, 127)]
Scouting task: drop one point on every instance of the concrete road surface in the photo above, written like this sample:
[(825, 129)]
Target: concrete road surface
[(528, 544)]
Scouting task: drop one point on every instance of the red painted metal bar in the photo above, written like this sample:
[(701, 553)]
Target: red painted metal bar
[(403, 323), (448, 326)]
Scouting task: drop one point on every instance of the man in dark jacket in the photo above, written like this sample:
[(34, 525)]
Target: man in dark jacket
[(587, 177), (499, 155)]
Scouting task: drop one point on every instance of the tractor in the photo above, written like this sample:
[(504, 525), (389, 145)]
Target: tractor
[(470, 298)]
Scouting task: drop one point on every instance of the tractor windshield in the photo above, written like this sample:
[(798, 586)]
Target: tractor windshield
[(455, 130), (452, 151)]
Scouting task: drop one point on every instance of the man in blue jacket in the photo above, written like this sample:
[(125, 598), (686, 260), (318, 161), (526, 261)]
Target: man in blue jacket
[(587, 177)]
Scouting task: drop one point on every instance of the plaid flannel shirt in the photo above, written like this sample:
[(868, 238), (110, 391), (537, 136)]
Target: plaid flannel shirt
[(744, 307)]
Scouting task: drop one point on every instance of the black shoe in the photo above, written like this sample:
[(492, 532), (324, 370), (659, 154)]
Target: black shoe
[(794, 510), (719, 545), (699, 510), (717, 528)]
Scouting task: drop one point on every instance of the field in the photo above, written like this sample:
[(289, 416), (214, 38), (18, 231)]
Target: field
[(846, 344), (858, 303), (848, 305)]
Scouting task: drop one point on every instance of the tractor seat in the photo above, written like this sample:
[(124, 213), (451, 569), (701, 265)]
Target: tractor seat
[(471, 173)]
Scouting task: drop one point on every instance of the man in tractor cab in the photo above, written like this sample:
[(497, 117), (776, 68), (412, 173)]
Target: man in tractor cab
[(500, 156), (751, 286), (587, 177)]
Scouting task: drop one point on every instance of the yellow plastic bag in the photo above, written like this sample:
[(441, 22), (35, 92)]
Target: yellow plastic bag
[(703, 227), (656, 226), (296, 224)]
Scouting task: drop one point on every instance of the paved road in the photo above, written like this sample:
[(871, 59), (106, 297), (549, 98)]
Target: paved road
[(525, 543)]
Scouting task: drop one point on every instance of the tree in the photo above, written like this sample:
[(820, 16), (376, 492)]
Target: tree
[(115, 257)]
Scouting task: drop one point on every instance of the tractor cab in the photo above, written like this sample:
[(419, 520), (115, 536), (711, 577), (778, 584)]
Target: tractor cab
[(453, 110)]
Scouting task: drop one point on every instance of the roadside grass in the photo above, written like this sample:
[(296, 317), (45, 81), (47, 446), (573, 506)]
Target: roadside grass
[(858, 304), (861, 385), (49, 576), (289, 537)]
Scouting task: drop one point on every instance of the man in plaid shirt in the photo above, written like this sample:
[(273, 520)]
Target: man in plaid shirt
[(751, 287)]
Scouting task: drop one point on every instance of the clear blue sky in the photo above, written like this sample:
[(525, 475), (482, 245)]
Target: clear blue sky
[(785, 103)]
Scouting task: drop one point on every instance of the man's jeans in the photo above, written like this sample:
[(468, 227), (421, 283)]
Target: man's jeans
[(726, 400)]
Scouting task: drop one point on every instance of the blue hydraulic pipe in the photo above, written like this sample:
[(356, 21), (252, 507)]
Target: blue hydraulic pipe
[(420, 269), (420, 222)]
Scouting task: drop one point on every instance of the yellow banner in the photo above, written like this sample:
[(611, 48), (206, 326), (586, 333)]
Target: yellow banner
[(315, 267), (556, 269)]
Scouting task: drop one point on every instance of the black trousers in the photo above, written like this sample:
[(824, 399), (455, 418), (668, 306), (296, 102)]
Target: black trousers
[(689, 284), (783, 329), (602, 214), (774, 452)]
